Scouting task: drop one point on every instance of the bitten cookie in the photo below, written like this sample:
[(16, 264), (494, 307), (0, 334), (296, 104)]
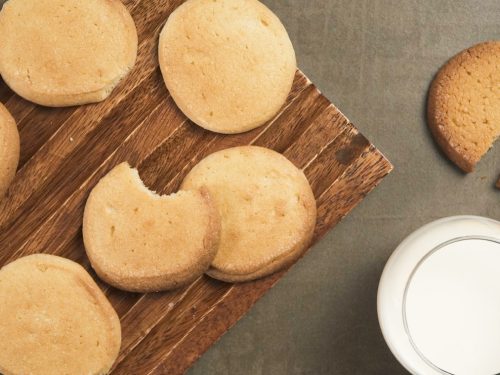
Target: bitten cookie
[(65, 52), (54, 319), (463, 110), (142, 242), (9, 149), (267, 208), (228, 64)]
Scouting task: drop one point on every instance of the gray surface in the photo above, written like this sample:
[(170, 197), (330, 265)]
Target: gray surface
[(374, 60)]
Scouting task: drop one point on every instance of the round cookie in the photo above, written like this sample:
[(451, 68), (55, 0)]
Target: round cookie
[(54, 319), (65, 52), (463, 111), (267, 208), (142, 242), (9, 149), (228, 64)]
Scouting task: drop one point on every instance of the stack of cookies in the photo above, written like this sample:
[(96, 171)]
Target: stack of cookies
[(240, 214)]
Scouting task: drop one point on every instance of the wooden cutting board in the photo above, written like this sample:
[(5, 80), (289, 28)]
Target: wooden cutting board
[(66, 151)]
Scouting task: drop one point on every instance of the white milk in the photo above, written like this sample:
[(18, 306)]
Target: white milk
[(438, 301), (453, 308)]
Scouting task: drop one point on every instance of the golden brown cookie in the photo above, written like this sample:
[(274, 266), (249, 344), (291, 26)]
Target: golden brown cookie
[(9, 149), (463, 106), (65, 52), (54, 319), (267, 208), (142, 242), (228, 64)]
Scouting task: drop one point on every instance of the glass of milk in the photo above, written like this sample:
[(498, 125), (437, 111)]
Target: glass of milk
[(439, 298)]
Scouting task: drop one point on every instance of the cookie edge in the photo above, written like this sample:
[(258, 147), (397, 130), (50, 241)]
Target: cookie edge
[(12, 137)]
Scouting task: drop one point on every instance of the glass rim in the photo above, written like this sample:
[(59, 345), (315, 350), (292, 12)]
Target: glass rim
[(410, 279)]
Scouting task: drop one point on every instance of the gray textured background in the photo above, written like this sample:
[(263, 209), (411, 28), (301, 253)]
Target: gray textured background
[(374, 59)]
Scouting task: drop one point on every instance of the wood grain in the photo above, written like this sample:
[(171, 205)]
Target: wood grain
[(66, 151)]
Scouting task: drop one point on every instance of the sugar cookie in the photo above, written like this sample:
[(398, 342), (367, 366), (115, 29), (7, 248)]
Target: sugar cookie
[(463, 105), (65, 52), (142, 242), (228, 64), (54, 319), (267, 208)]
